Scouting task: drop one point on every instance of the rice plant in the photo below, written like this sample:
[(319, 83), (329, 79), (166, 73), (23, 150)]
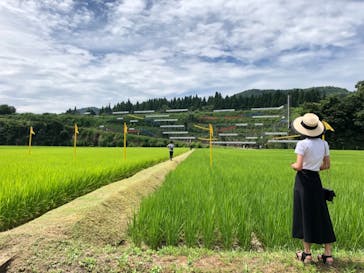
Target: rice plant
[(32, 184), (246, 191)]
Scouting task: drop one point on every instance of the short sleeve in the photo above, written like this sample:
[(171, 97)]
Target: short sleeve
[(300, 148), (327, 149)]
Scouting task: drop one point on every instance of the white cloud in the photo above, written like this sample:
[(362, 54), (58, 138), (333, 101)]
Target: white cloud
[(57, 54)]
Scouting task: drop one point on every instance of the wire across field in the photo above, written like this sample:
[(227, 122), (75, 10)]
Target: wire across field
[(246, 191), (32, 184)]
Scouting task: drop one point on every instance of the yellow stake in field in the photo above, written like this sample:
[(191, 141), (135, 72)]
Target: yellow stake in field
[(201, 127), (284, 137), (327, 128), (75, 141), (134, 116), (206, 139), (31, 132), (125, 133), (211, 130)]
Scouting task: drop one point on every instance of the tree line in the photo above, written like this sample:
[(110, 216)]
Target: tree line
[(346, 116), (244, 100)]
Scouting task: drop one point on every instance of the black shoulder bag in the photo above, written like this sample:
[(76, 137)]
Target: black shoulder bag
[(329, 194)]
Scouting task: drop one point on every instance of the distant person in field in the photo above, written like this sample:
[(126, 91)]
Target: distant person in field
[(170, 146), (311, 218)]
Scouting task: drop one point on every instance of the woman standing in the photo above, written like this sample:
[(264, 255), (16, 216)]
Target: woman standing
[(311, 218)]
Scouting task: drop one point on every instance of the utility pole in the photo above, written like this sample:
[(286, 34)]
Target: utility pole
[(288, 114)]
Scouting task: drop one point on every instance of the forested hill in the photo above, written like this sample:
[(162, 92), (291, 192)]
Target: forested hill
[(243, 100), (322, 90)]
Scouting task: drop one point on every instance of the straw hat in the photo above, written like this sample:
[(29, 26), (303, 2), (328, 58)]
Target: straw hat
[(308, 125)]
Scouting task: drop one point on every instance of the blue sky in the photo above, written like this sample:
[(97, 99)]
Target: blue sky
[(57, 54)]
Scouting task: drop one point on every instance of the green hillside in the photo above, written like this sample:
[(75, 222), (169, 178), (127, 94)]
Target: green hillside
[(256, 122), (154, 129), (322, 90)]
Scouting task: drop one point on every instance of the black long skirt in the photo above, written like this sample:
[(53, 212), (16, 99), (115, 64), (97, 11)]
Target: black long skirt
[(311, 218)]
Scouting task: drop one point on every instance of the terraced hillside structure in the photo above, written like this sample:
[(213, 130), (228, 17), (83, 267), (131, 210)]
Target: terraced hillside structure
[(241, 128), (256, 127)]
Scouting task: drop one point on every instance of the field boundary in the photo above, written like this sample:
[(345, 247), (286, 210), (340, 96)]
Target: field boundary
[(99, 217)]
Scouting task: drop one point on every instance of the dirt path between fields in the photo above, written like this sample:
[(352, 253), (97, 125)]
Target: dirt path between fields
[(100, 217)]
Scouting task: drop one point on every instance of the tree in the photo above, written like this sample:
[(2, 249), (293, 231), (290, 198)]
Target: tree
[(360, 89), (360, 86), (345, 115), (7, 110), (92, 112)]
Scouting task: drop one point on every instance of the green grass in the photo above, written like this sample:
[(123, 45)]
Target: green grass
[(246, 191), (32, 184), (73, 256)]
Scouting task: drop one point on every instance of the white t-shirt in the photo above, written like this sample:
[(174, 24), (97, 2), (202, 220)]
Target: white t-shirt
[(313, 151), (170, 147)]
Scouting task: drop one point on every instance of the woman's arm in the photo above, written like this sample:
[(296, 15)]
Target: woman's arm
[(325, 163), (298, 164)]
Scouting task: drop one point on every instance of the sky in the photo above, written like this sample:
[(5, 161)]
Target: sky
[(61, 54)]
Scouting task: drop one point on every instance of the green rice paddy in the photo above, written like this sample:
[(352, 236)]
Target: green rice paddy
[(32, 184), (246, 191)]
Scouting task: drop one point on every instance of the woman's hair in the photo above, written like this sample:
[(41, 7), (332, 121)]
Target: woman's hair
[(319, 136), (312, 137)]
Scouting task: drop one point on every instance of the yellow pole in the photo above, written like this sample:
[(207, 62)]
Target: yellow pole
[(327, 127), (31, 132), (74, 146), (75, 141), (283, 137), (211, 136), (125, 132)]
